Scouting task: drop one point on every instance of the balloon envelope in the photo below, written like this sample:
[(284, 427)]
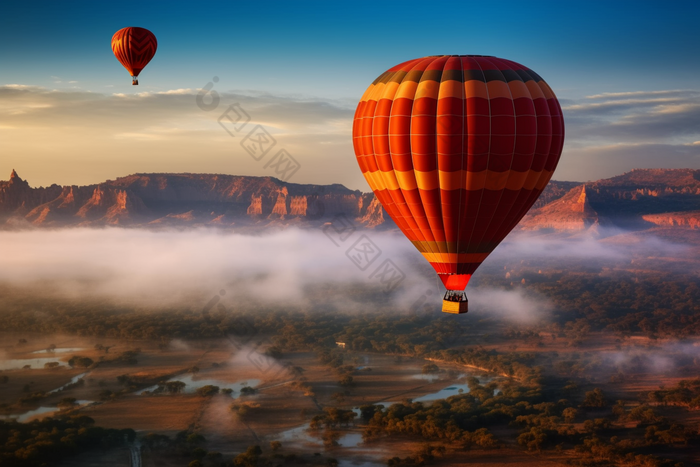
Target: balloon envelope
[(457, 148), (134, 48)]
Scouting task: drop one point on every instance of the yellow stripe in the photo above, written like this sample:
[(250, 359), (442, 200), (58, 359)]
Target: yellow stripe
[(374, 180), (535, 90), (367, 93), (476, 180), (376, 92), (491, 180), (390, 90), (390, 180), (531, 180), (517, 179), (475, 88), (548, 93), (427, 88), (498, 89), (497, 180), (451, 88), (407, 89), (425, 246), (451, 180), (518, 89), (406, 179), (451, 258), (426, 180)]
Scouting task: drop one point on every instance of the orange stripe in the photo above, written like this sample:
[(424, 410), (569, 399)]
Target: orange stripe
[(379, 89), (407, 90), (498, 89), (474, 88), (518, 89), (451, 88), (491, 180), (548, 93), (427, 88), (535, 90), (451, 258)]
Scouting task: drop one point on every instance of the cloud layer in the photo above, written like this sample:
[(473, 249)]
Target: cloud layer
[(80, 137), (611, 133), (291, 267)]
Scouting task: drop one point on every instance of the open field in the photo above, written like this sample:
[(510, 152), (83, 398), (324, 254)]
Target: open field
[(282, 406), (285, 401)]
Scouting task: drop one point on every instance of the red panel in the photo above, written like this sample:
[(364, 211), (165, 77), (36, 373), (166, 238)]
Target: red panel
[(455, 281)]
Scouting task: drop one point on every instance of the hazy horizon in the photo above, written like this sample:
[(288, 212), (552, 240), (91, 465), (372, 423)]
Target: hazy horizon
[(69, 115)]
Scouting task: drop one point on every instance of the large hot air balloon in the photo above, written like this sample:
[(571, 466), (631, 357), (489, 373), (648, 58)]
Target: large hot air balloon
[(134, 48), (457, 148)]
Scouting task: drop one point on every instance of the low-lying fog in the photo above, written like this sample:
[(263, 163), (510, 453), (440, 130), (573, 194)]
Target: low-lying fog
[(167, 267)]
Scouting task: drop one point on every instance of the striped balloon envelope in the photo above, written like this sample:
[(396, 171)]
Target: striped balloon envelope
[(457, 148), (134, 48)]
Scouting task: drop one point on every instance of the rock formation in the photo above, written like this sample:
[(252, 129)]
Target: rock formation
[(675, 219), (570, 212), (180, 199), (638, 199)]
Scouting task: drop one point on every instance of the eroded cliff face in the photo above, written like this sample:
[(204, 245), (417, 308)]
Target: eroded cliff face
[(572, 211), (255, 208), (664, 197), (184, 199), (16, 196), (675, 219), (373, 215), (553, 191)]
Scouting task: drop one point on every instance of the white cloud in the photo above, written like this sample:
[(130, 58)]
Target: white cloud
[(613, 95), (611, 133), (81, 124)]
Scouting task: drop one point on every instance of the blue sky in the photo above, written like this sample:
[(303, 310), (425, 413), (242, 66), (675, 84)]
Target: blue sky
[(325, 54)]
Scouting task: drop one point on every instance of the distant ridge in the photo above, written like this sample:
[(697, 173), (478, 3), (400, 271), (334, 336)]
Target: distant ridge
[(182, 200), (639, 199), (635, 200)]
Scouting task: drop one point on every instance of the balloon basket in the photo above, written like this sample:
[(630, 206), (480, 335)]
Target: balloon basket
[(455, 303)]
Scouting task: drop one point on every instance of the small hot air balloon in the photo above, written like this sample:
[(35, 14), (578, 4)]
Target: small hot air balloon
[(134, 48), (457, 148)]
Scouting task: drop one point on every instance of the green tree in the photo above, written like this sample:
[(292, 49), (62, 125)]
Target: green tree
[(80, 362), (533, 439), (249, 458), (208, 390), (595, 399), (175, 387)]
